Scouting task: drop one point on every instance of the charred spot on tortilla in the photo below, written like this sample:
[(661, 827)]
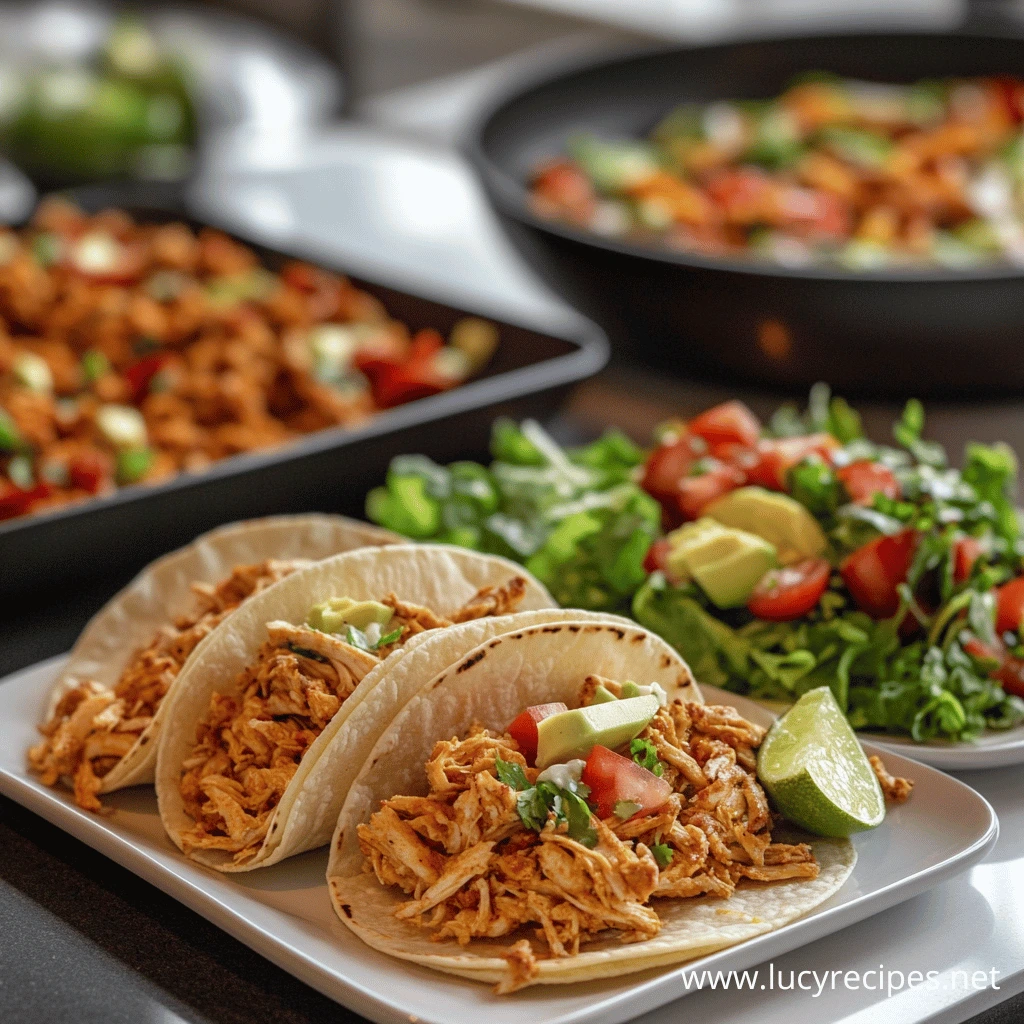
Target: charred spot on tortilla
[(573, 629), (470, 662), (438, 682), (666, 661), (347, 910), (552, 629), (638, 638)]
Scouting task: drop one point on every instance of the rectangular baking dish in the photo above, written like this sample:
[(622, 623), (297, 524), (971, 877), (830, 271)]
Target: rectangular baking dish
[(330, 470)]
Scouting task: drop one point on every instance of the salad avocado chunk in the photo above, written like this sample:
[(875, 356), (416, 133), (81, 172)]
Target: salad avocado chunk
[(727, 563), (781, 520)]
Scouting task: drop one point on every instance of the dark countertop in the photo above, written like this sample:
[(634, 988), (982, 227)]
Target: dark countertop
[(85, 940)]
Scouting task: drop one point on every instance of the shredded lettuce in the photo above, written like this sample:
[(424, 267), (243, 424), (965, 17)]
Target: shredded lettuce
[(575, 517)]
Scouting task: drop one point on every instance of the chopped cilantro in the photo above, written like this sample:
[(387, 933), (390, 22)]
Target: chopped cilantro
[(662, 854), (511, 774), (646, 755), (388, 638), (305, 652), (537, 803)]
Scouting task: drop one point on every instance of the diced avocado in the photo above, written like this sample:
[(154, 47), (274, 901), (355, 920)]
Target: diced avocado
[(631, 689), (602, 695), (570, 734), (778, 518), (333, 615), (612, 166), (726, 562)]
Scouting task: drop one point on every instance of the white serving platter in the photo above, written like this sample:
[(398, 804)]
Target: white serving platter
[(992, 749), (284, 912)]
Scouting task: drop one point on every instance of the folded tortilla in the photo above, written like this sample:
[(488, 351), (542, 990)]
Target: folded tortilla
[(490, 686), (164, 590), (436, 577)]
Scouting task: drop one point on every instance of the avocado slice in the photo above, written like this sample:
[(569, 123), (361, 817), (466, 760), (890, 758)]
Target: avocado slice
[(726, 563), (778, 518), (333, 615), (569, 734)]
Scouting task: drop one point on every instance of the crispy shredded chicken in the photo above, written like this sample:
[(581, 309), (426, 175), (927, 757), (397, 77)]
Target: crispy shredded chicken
[(94, 726), (252, 739), (894, 789), (473, 869)]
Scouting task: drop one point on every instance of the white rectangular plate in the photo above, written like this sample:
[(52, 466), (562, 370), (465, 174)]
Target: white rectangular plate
[(284, 912)]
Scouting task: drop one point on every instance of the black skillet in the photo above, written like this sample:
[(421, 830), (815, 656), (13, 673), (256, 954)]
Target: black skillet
[(897, 333)]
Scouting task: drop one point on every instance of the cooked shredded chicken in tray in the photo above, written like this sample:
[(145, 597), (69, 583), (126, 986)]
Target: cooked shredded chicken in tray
[(130, 352)]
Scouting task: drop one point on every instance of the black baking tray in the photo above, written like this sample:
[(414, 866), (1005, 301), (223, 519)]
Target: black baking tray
[(331, 470)]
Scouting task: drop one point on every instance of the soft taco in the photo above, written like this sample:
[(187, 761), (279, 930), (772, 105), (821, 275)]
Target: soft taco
[(559, 805), (269, 693), (106, 708)]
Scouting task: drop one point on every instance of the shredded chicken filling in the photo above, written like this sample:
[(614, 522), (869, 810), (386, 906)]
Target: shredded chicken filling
[(473, 870), (94, 726), (252, 739)]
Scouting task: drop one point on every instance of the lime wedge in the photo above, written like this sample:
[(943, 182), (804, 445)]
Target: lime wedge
[(816, 771)]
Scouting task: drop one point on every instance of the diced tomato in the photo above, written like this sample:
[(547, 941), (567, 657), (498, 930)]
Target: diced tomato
[(1010, 606), (728, 422), (91, 470), (873, 572), (695, 493), (789, 593), (524, 729), (300, 275), (812, 213), (16, 501), (744, 195), (1010, 670), (397, 378), (657, 553), (612, 777), (668, 464), (777, 456), (864, 479), (1010, 92), (565, 187), (141, 373), (966, 552)]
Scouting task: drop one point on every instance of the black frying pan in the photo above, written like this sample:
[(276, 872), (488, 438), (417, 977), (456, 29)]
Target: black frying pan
[(899, 333)]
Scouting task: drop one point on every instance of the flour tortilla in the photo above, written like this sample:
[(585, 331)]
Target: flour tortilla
[(441, 578), (491, 685), (163, 591)]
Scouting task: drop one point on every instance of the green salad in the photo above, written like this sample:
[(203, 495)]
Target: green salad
[(776, 557)]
